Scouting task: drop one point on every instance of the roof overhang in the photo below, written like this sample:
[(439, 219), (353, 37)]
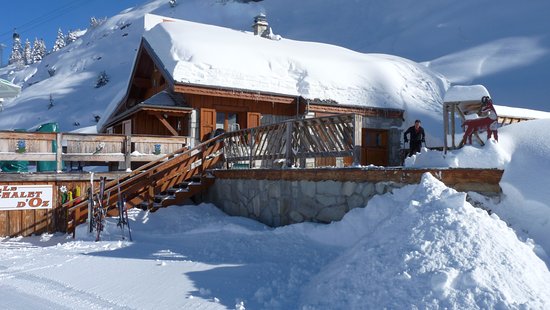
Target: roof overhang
[(151, 109)]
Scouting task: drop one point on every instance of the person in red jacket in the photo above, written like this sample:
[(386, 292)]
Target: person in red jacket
[(417, 136)]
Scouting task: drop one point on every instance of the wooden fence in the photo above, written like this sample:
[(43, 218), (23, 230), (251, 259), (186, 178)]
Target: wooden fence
[(287, 142), (99, 149)]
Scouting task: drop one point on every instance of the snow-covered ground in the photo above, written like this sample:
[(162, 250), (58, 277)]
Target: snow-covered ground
[(422, 246)]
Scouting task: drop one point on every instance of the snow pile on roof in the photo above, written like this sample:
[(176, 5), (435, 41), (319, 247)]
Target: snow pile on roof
[(457, 93), (220, 57), (520, 112), (425, 247)]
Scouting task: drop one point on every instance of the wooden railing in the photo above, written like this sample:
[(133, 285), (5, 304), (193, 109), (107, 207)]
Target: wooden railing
[(292, 140), (89, 148)]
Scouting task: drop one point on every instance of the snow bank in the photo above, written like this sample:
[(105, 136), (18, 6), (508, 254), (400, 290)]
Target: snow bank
[(522, 151), (422, 246), (429, 248)]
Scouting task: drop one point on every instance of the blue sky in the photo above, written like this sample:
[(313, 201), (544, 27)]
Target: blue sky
[(41, 19)]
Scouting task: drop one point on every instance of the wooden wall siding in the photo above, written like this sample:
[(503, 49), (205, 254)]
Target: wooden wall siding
[(240, 105), (147, 124), (28, 222), (147, 80), (25, 223), (325, 110)]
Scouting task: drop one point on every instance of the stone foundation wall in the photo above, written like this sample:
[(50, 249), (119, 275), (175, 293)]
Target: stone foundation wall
[(279, 202)]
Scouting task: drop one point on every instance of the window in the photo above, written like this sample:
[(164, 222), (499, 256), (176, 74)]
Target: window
[(227, 121)]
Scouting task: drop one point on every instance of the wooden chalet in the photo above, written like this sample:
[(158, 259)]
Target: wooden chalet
[(157, 103)]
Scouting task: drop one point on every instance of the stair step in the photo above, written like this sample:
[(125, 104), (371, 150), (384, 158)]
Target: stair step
[(173, 190), (160, 198), (182, 185)]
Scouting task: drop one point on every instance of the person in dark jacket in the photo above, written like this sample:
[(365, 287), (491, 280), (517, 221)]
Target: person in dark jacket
[(417, 136)]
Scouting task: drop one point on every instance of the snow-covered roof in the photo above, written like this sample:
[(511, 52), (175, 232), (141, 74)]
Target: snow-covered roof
[(164, 99), (8, 90), (201, 54), (458, 93), (520, 112)]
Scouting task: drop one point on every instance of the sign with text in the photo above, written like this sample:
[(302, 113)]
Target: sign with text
[(26, 197)]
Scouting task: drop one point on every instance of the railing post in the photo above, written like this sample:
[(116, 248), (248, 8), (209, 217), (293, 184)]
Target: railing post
[(250, 148), (58, 153), (288, 140), (128, 152), (357, 128)]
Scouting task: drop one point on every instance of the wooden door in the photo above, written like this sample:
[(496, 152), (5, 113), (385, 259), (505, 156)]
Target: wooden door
[(253, 119), (207, 123), (374, 147)]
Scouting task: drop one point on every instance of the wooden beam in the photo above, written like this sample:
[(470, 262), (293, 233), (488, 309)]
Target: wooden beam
[(234, 93), (166, 124), (462, 179)]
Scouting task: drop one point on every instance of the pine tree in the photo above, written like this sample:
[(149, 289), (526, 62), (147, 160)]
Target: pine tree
[(42, 49), (27, 54), (38, 50), (16, 56), (71, 37), (36, 55), (59, 41)]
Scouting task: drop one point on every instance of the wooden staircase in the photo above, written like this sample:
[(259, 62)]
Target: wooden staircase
[(169, 180)]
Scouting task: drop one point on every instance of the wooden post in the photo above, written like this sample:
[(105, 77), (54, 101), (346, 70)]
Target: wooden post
[(445, 126), (251, 147), (288, 141), (58, 153), (128, 153), (357, 128), (453, 126)]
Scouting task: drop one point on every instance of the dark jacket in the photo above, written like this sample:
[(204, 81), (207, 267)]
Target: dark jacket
[(416, 136)]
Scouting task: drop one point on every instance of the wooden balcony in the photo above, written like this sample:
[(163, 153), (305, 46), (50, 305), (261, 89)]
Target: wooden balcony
[(111, 150)]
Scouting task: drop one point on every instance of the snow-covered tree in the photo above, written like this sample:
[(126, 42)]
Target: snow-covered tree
[(102, 79), (38, 50), (16, 56), (95, 22), (27, 53), (59, 41), (71, 37)]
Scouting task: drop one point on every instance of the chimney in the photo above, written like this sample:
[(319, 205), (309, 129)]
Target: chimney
[(260, 25)]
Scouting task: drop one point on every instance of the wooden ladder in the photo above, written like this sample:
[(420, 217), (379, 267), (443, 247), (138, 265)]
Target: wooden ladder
[(166, 181)]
